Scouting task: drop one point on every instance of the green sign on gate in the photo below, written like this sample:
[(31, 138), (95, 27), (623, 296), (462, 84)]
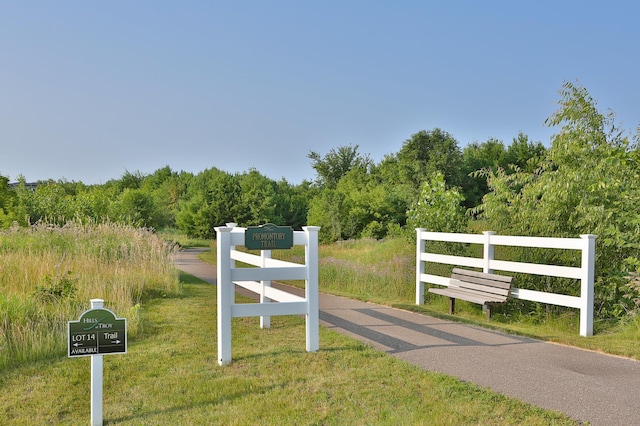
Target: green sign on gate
[(268, 237), (97, 332)]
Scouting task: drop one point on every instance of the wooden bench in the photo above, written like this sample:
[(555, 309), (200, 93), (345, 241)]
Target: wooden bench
[(476, 287)]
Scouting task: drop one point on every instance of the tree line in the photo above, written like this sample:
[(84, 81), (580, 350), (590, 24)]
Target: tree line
[(587, 181), (350, 197)]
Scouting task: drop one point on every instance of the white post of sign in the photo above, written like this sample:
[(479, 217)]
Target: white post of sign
[(96, 378), (225, 291), (311, 288), (265, 321)]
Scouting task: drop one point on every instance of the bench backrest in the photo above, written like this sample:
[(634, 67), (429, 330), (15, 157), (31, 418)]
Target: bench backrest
[(497, 285)]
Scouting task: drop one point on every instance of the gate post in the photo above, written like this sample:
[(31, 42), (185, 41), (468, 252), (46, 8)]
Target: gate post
[(225, 292), (311, 288), (420, 247), (586, 284), (265, 321)]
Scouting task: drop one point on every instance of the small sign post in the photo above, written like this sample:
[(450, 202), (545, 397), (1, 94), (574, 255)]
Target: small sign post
[(97, 332)]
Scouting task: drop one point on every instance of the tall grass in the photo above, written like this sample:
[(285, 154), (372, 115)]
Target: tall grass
[(49, 273)]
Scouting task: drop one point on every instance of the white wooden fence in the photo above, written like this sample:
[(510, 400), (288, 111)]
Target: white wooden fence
[(258, 280), (585, 273)]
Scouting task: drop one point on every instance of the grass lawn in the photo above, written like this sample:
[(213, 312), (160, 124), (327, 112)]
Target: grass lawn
[(170, 376)]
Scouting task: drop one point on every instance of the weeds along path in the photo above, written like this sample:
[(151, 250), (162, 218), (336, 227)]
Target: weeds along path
[(170, 376)]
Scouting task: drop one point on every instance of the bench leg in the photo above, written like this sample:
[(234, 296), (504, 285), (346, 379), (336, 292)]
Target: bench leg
[(488, 307), (452, 305)]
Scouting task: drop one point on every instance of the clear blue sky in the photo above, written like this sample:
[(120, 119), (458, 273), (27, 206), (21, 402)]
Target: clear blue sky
[(91, 89)]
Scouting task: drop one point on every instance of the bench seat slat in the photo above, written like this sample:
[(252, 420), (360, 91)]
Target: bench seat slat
[(493, 277), (479, 298), (479, 287), (483, 280)]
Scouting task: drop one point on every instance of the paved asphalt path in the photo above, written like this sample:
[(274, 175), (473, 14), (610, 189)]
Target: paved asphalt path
[(587, 386)]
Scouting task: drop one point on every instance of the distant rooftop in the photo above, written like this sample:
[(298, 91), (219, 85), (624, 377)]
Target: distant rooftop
[(29, 185)]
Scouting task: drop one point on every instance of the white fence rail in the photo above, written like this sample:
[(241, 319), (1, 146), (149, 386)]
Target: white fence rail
[(258, 280), (585, 273)]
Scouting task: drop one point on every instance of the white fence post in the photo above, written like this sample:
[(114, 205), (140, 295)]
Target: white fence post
[(586, 284), (225, 292), (488, 252), (265, 321), (311, 288), (420, 248), (232, 262)]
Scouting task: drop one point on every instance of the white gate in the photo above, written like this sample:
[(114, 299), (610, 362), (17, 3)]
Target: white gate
[(258, 280)]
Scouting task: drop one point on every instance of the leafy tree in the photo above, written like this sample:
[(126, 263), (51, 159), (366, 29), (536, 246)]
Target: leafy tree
[(292, 203), (478, 156), (130, 180), (586, 183), (191, 219), (399, 195), (21, 204), (427, 152), (327, 211), (166, 188), (438, 209), (334, 165), (213, 199), (154, 181), (524, 153), (362, 204), (359, 204), (341, 212), (137, 207), (7, 196), (96, 203), (50, 202), (258, 194), (358, 198), (491, 155)]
